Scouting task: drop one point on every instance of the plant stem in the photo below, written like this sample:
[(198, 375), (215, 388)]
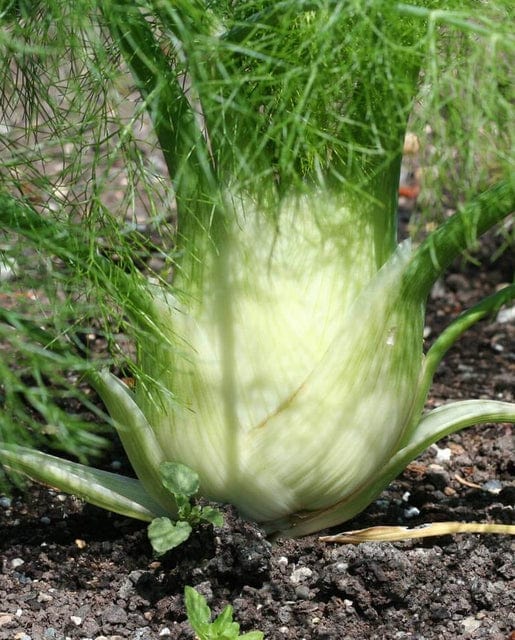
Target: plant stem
[(456, 235), (456, 329), (164, 84)]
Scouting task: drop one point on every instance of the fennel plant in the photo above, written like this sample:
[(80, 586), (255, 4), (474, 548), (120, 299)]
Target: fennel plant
[(279, 351)]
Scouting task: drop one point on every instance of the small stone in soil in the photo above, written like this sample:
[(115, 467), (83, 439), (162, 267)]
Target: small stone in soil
[(114, 615)]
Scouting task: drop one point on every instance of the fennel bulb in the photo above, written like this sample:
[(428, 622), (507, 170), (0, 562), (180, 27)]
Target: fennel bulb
[(295, 389), (298, 367)]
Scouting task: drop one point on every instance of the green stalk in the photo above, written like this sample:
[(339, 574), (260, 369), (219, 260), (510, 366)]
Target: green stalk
[(163, 91), (458, 234), (164, 82), (456, 329), (102, 488), (136, 434), (445, 341)]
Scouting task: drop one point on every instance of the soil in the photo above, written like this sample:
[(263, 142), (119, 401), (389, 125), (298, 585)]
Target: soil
[(69, 570)]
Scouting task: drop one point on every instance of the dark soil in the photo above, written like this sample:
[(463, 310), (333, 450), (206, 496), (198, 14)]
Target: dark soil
[(72, 571)]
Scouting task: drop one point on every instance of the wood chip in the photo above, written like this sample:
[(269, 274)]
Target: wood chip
[(395, 534)]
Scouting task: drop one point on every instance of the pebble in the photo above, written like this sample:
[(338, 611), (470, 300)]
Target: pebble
[(438, 290), (442, 455), (348, 605), (411, 512), (284, 614), (125, 589), (114, 615), (134, 576), (300, 574), (44, 597), (382, 503), (437, 476), (77, 620), (5, 502), (302, 592), (165, 632), (470, 624), (21, 577), (492, 486), (506, 315), (17, 562)]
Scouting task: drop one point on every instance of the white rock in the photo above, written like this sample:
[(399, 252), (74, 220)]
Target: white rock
[(506, 315), (300, 574), (411, 512), (44, 597), (471, 624), (442, 455)]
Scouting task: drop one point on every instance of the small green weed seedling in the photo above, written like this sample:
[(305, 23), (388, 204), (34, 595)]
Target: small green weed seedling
[(222, 628), (183, 483)]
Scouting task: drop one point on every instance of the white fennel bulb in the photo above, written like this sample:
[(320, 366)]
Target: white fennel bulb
[(298, 364)]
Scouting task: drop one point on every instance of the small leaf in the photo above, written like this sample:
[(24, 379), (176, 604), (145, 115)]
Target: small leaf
[(213, 516), (253, 635), (194, 515), (165, 534), (179, 479), (199, 614), (224, 627)]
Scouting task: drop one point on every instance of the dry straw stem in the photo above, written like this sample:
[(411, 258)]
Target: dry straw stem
[(395, 534)]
